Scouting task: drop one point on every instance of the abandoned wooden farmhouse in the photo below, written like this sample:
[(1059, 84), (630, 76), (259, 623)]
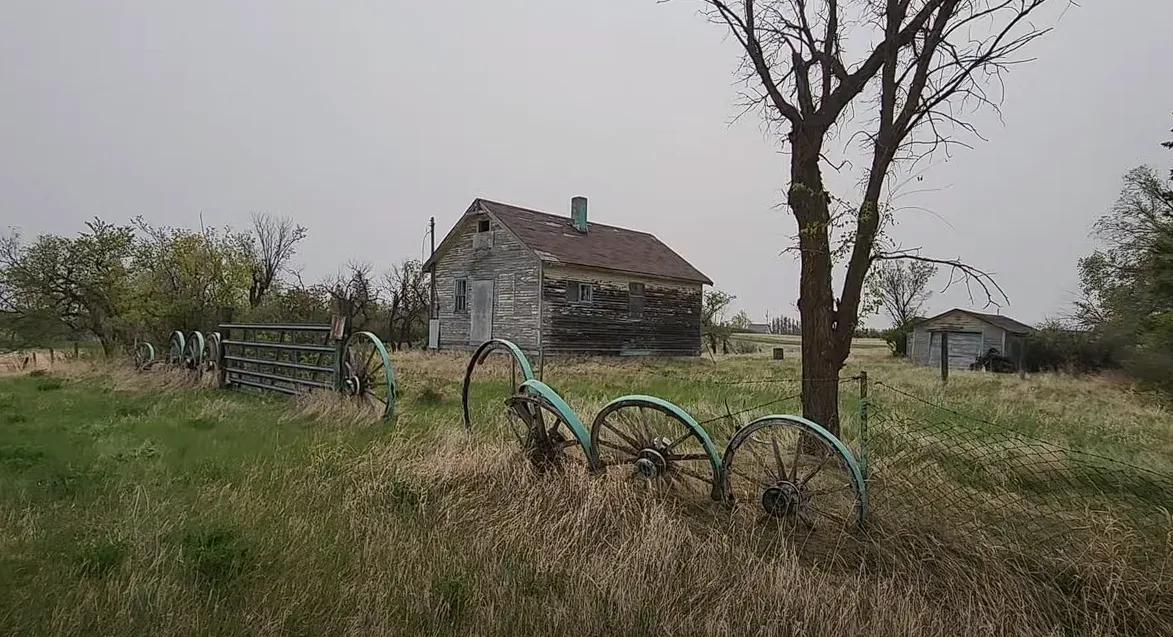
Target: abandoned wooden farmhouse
[(970, 334), (563, 284)]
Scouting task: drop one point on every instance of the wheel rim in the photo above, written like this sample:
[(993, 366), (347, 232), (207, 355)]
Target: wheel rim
[(519, 363), (175, 348), (193, 352), (144, 355), (211, 352), (367, 375), (556, 416), (544, 432), (659, 441), (791, 470)]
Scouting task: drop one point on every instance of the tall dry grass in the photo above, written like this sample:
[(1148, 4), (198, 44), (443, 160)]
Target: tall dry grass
[(423, 530)]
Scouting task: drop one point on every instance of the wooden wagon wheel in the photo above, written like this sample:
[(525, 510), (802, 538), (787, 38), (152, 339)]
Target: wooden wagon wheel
[(210, 354), (367, 375), (792, 470), (659, 441), (519, 363), (144, 356), (193, 352), (176, 345), (548, 431)]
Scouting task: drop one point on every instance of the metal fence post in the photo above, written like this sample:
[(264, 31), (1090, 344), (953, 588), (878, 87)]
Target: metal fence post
[(863, 424)]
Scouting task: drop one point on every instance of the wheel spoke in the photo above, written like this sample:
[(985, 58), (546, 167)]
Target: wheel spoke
[(817, 469), (629, 440), (686, 457), (690, 473), (778, 456), (607, 443)]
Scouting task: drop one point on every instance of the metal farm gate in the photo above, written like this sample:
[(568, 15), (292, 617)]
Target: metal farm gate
[(297, 359)]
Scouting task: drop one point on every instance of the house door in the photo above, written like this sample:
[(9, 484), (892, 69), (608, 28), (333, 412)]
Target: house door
[(481, 312)]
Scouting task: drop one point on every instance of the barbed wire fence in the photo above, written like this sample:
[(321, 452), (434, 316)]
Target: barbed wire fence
[(940, 470), (931, 467)]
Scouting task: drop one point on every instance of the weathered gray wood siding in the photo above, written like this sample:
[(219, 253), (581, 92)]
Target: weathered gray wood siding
[(669, 324), (954, 321), (514, 271)]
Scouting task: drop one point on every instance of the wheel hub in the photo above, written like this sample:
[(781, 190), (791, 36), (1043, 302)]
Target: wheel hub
[(780, 499), (352, 386), (650, 464)]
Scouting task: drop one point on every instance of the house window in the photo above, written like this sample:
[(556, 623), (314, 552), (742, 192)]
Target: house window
[(483, 238), (460, 304), (635, 300), (579, 292)]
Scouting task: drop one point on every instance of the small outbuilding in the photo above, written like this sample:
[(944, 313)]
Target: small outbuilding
[(969, 335)]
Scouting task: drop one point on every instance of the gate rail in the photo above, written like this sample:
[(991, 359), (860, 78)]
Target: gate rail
[(290, 359)]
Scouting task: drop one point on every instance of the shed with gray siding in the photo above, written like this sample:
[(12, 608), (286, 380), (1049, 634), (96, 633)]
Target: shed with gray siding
[(561, 283), (970, 334)]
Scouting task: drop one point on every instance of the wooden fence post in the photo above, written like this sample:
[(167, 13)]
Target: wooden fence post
[(944, 357)]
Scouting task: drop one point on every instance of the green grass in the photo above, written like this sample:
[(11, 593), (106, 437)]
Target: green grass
[(130, 504)]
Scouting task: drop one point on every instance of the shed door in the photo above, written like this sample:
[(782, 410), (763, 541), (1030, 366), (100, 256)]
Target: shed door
[(481, 311), (964, 348)]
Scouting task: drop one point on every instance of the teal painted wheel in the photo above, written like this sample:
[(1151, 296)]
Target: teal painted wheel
[(519, 363), (176, 345), (144, 356), (210, 357), (550, 434), (367, 375), (193, 352), (793, 470), (658, 441)]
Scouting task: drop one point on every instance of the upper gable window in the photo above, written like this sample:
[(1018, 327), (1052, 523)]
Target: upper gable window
[(483, 238)]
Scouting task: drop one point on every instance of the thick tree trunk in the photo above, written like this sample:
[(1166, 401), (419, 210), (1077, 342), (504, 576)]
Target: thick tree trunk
[(821, 359)]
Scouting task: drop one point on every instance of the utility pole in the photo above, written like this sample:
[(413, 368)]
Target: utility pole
[(432, 234), (433, 307)]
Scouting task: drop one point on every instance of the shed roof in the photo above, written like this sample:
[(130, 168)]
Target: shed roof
[(1006, 323), (554, 239)]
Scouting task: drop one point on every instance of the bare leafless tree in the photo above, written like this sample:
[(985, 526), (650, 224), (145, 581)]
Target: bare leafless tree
[(902, 289), (355, 295), (408, 294), (925, 62), (275, 242)]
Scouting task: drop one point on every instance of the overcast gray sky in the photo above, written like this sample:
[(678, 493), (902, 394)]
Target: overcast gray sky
[(361, 119)]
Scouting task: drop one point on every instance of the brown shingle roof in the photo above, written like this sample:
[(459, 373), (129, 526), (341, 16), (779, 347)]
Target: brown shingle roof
[(554, 239)]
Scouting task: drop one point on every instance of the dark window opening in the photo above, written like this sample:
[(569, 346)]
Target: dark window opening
[(461, 296), (635, 300)]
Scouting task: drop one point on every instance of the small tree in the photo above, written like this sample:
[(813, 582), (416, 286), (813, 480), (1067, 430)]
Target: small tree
[(408, 292), (715, 328)]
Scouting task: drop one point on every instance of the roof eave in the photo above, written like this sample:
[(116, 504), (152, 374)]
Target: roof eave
[(699, 280)]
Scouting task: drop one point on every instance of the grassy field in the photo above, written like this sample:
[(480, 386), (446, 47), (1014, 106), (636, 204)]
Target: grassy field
[(139, 504)]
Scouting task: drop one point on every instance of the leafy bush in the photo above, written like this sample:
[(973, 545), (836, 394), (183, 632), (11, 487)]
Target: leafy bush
[(1056, 349)]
